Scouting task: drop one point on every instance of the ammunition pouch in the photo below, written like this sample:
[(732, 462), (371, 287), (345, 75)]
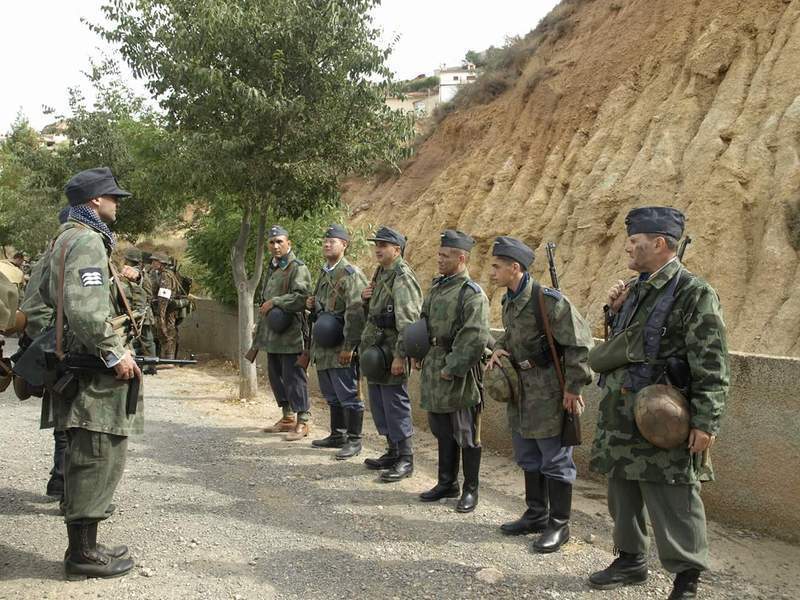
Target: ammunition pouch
[(385, 319), (540, 357)]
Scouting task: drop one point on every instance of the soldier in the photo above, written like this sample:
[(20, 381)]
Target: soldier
[(392, 301), (287, 284), (165, 287), (141, 294), (689, 352), (339, 320), (536, 420), (457, 315), (77, 285)]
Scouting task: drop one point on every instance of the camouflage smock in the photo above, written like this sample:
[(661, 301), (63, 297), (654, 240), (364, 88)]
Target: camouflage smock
[(164, 288), (395, 285), (90, 299), (38, 315), (695, 330), (441, 308), (540, 414), (287, 284), (339, 291)]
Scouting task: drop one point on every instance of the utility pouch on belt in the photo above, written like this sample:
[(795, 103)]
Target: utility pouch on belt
[(541, 356), (624, 348), (386, 318)]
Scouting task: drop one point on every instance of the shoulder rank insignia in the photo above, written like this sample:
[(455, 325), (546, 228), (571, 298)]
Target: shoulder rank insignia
[(349, 269), (91, 276), (553, 293), (474, 286)]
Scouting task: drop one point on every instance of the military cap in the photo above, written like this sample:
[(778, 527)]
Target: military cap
[(656, 219), (277, 230), (133, 254), (337, 231), (160, 257), (92, 183), (389, 235), (514, 249), (63, 215), (452, 238)]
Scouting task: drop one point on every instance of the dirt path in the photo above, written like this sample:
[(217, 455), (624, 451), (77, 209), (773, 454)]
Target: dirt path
[(212, 508)]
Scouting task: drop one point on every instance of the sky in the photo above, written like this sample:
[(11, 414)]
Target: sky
[(44, 46)]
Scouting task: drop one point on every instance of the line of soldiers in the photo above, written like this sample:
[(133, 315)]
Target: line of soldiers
[(666, 329)]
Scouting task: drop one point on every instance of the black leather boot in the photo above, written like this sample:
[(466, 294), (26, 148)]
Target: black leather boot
[(338, 436), (535, 518), (355, 424), (472, 468), (447, 484), (557, 532), (627, 569), (84, 559), (386, 460), (685, 585), (404, 466)]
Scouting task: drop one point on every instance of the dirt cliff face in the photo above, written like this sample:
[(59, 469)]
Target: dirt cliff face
[(624, 103)]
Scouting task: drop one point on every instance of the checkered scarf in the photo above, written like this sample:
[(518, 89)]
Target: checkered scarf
[(84, 214)]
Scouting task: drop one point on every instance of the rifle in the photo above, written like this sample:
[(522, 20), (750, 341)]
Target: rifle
[(550, 248), (682, 248)]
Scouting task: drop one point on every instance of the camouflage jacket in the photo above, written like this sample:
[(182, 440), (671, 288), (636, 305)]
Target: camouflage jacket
[(397, 287), (39, 316), (694, 330), (164, 289), (288, 286), (9, 298), (90, 300), (541, 410), (457, 356), (339, 291)]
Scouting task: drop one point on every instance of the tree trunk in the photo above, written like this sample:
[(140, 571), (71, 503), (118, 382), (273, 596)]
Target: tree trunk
[(245, 293)]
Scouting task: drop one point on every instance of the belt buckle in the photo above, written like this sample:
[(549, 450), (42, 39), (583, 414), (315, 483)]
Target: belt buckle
[(525, 365)]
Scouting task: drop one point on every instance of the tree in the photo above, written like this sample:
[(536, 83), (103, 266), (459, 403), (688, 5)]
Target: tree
[(270, 102)]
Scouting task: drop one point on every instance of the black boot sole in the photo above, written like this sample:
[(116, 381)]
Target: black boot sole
[(396, 479), (618, 584), (453, 494), (338, 456), (84, 576), (466, 510), (525, 531)]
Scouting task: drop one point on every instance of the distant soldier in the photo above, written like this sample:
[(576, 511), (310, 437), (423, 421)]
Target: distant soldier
[(393, 300), (141, 287), (339, 320), (457, 314), (686, 349), (287, 284), (536, 419), (165, 287)]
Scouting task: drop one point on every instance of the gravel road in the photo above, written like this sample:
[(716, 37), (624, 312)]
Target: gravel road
[(213, 508)]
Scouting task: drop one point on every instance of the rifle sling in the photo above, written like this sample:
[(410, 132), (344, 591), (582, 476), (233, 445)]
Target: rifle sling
[(123, 299)]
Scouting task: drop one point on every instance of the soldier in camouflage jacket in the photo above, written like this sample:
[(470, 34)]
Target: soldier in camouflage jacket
[(641, 475)]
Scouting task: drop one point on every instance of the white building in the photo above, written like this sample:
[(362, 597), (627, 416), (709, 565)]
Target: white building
[(452, 78)]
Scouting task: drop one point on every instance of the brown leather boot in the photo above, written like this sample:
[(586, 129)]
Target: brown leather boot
[(300, 431), (282, 425)]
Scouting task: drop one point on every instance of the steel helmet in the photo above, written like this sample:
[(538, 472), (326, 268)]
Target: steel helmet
[(662, 416), (278, 320), (501, 382), (417, 339), (375, 362), (328, 330)]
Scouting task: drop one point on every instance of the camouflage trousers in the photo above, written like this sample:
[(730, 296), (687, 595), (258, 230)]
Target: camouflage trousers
[(168, 334), (93, 466), (676, 514), (145, 345)]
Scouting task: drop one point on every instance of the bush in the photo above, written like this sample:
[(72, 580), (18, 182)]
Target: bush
[(415, 85)]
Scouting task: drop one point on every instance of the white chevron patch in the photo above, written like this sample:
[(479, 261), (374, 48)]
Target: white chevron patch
[(91, 276)]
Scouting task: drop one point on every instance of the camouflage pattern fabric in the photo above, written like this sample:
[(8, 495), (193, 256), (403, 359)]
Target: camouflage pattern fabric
[(38, 314), (9, 298), (695, 330), (89, 302), (441, 308), (395, 285), (540, 412), (339, 291), (288, 287), (165, 289)]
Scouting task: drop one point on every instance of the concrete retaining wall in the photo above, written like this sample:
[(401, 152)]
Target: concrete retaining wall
[(756, 459)]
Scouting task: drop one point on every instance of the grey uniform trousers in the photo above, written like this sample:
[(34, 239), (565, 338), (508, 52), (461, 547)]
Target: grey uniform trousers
[(391, 411), (288, 381)]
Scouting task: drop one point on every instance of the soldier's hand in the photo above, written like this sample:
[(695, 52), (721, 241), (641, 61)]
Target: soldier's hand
[(417, 364), (699, 441), (495, 359), (573, 403), (345, 357), (310, 303), (127, 368), (445, 376), (130, 273), (398, 366), (367, 293), (617, 295), (265, 308)]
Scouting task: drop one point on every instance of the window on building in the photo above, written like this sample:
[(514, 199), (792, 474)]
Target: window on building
[(470, 77), (455, 77)]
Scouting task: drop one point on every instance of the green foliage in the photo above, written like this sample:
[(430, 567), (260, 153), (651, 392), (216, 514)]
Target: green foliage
[(213, 232), (421, 83)]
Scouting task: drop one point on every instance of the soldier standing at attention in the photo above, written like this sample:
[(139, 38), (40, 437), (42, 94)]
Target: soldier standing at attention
[(165, 287), (689, 352), (77, 285), (393, 301), (141, 294), (457, 315), (287, 284), (339, 320), (536, 420)]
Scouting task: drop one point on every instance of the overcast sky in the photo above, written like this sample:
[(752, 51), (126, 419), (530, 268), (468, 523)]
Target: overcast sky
[(44, 47)]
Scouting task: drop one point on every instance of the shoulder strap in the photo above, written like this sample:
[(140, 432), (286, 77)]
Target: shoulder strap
[(286, 277), (123, 299), (459, 322), (538, 310), (550, 342)]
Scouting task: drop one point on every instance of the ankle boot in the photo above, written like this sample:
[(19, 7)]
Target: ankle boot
[(534, 519), (557, 532), (338, 435), (85, 560), (386, 460), (685, 585), (472, 467), (404, 466), (627, 569), (355, 424), (447, 484)]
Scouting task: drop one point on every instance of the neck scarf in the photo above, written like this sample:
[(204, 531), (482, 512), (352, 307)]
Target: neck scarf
[(85, 215), (523, 282)]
